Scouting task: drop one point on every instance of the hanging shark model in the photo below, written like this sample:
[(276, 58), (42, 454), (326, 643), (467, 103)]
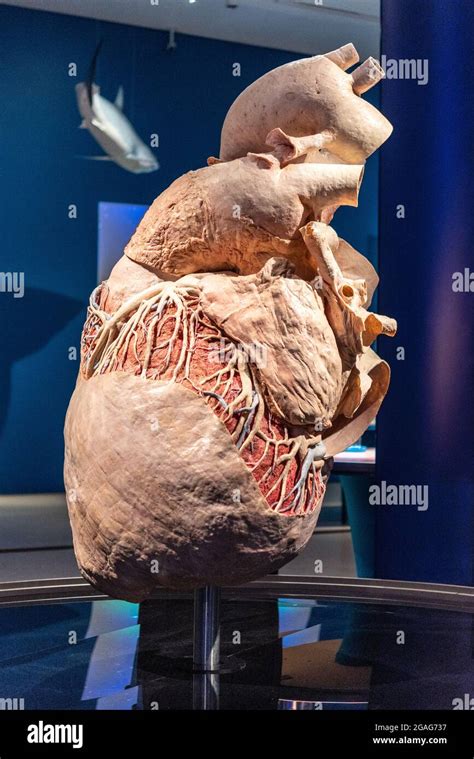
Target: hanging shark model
[(110, 127)]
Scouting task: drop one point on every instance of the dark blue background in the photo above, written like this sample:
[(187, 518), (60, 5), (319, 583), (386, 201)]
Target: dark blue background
[(181, 95), (426, 426)]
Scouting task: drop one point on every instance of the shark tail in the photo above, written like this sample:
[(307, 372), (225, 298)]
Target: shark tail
[(92, 70)]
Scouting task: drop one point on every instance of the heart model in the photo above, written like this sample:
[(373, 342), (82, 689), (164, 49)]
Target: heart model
[(227, 358)]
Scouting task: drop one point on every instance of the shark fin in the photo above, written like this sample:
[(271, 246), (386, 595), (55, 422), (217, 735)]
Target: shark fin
[(83, 124), (98, 124), (119, 99), (96, 157)]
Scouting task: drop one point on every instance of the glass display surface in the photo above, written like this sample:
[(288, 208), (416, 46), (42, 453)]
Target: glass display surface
[(299, 654)]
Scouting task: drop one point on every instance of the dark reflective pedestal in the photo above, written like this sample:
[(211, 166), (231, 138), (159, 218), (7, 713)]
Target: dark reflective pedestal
[(310, 648)]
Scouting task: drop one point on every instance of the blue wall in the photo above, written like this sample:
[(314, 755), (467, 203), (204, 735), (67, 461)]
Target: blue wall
[(181, 95), (426, 426)]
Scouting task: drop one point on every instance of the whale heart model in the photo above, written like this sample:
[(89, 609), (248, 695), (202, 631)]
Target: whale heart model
[(227, 358)]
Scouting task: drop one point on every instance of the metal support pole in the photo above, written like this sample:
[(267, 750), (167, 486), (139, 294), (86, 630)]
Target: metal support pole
[(206, 629), (206, 648)]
